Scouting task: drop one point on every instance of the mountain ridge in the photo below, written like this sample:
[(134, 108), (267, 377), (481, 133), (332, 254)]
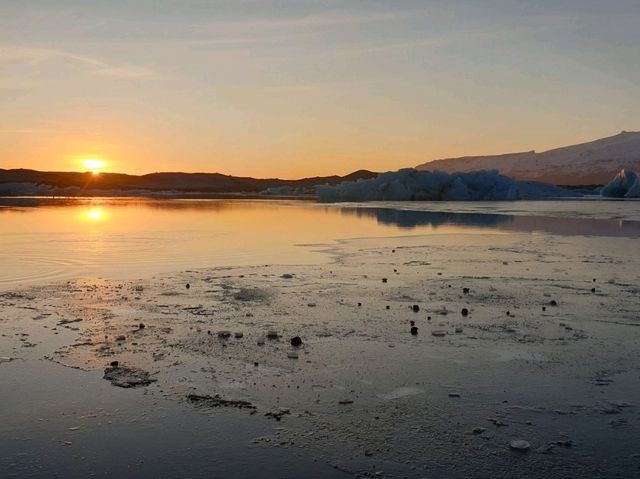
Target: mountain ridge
[(589, 163), (17, 181)]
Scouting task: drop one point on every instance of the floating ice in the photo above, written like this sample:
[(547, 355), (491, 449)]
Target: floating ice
[(625, 184), (413, 185)]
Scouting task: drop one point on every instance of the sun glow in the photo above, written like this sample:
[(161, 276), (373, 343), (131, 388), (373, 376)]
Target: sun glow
[(94, 214), (94, 165)]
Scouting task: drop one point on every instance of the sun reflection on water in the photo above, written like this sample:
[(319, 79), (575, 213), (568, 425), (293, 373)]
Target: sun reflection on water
[(94, 215)]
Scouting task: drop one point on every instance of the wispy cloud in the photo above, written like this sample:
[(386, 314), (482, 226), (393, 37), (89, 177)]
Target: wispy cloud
[(227, 41), (36, 55), (132, 72), (26, 131), (315, 21), (16, 53)]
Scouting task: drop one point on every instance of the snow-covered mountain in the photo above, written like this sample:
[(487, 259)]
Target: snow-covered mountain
[(592, 163)]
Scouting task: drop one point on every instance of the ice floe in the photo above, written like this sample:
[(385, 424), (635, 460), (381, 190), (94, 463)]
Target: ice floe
[(413, 185)]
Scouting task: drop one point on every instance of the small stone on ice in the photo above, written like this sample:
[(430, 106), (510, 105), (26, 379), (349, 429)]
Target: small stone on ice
[(519, 445), (496, 422)]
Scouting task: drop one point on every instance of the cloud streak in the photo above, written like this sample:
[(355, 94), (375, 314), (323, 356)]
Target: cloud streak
[(26, 131), (304, 23), (37, 55)]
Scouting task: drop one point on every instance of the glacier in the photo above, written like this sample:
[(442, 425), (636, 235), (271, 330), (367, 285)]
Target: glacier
[(410, 184)]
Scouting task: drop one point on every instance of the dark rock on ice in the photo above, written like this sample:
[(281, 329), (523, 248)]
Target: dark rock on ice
[(217, 401), (277, 415), (126, 377)]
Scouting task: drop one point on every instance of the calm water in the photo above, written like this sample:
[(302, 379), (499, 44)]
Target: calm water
[(45, 239)]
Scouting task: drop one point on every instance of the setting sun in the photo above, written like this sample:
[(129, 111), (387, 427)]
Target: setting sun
[(94, 165)]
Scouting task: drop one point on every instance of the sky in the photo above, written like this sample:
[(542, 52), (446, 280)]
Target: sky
[(294, 88)]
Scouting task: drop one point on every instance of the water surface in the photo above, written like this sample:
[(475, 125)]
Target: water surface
[(43, 239)]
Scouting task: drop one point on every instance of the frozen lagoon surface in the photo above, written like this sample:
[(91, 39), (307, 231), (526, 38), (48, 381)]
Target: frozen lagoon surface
[(547, 352)]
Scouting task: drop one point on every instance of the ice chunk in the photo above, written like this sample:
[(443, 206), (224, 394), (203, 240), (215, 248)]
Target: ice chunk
[(413, 185), (634, 190), (625, 184)]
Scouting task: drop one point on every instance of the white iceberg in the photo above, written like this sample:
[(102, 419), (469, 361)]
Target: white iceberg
[(625, 184), (413, 185)]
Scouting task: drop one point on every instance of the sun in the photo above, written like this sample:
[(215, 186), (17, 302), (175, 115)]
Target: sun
[(94, 165)]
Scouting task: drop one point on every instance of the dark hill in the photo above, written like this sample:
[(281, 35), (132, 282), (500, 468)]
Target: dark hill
[(156, 182)]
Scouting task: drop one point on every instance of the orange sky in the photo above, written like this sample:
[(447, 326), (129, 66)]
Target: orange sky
[(311, 89)]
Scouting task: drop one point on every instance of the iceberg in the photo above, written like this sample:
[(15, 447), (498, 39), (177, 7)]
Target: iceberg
[(412, 185), (625, 184)]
